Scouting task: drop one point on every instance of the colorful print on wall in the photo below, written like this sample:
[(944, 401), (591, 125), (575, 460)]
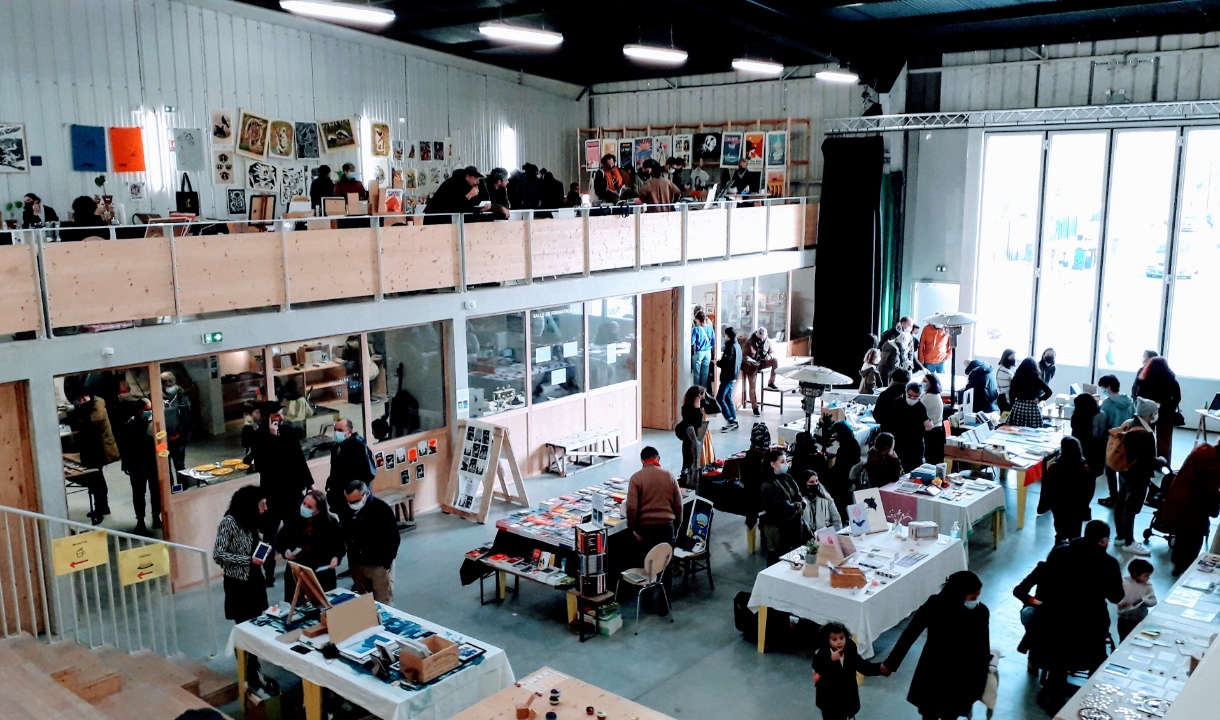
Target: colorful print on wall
[(222, 128), (292, 183), (381, 140), (756, 150), (777, 180), (281, 144), (88, 148), (307, 140), (252, 132), (261, 177), (425, 150), (410, 179), (624, 152), (223, 167), (641, 151), (609, 147), (438, 150), (399, 150), (188, 149), (706, 147), (126, 149), (730, 148), (338, 135), (237, 201), (777, 148), (593, 157), (662, 148), (396, 178), (136, 191), (682, 147)]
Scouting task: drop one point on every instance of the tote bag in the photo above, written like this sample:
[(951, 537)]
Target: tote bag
[(186, 200)]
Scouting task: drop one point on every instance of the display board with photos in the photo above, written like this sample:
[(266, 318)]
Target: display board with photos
[(476, 468)]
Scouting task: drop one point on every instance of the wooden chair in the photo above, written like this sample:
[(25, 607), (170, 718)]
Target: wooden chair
[(648, 577)]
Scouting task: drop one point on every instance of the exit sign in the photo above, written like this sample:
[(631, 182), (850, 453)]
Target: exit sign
[(215, 337)]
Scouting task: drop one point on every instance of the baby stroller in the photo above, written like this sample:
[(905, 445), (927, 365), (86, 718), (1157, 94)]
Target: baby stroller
[(1157, 526)]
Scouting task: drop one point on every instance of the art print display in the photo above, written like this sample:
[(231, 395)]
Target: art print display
[(88, 148), (292, 183), (222, 128), (410, 179), (410, 151), (399, 150), (870, 500), (438, 150), (682, 147), (730, 148), (777, 182), (662, 148), (136, 191), (223, 167), (307, 141), (396, 177), (338, 135), (393, 200), (476, 446), (434, 176), (261, 177), (281, 143), (777, 148), (252, 134), (188, 149), (624, 152), (381, 140), (593, 157), (126, 149), (706, 147), (425, 151), (641, 151), (379, 174), (756, 150), (609, 147), (237, 201)]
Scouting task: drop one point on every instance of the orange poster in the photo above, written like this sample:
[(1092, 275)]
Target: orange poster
[(127, 149)]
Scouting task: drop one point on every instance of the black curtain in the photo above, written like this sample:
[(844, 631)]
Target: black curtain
[(847, 290)]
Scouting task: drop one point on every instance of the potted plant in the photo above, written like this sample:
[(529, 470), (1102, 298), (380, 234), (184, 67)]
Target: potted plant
[(811, 558), (12, 212)]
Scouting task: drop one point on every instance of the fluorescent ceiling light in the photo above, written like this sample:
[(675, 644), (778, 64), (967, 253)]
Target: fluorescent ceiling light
[(339, 12), (523, 35), (765, 67), (668, 55), (839, 76)]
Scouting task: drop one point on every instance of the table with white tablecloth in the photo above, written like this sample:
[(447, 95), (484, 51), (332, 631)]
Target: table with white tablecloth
[(442, 698), (862, 429), (867, 612), (965, 509)]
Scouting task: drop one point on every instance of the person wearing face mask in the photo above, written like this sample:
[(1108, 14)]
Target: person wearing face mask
[(1027, 392), (1158, 383), (350, 459), (744, 180), (934, 439), (783, 525), (1117, 408), (311, 538), (139, 458), (178, 419), (283, 475), (659, 192), (1003, 379), (34, 214), (94, 441), (910, 424), (958, 628), (1046, 366), (887, 399), (370, 532), (237, 537), (1139, 441), (349, 183), (820, 510)]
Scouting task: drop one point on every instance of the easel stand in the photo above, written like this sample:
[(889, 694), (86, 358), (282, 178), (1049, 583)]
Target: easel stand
[(500, 453)]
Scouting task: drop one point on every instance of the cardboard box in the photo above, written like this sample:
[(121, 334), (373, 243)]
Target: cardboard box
[(848, 578), (262, 707), (421, 670)]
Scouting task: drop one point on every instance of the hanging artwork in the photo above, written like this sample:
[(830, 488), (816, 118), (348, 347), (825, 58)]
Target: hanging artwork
[(641, 151), (706, 147), (88, 148), (126, 149), (223, 170), (434, 175), (609, 147), (252, 134), (261, 177), (136, 190), (682, 147), (188, 149), (755, 149), (662, 148), (777, 148), (399, 150), (393, 200), (624, 152), (338, 135), (292, 183), (592, 154), (438, 150), (281, 143), (381, 140), (777, 180), (237, 202), (306, 140), (410, 179), (222, 128), (425, 150), (379, 173), (410, 151), (730, 148), (396, 178)]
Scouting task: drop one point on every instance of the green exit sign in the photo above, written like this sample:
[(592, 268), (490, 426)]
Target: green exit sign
[(215, 337)]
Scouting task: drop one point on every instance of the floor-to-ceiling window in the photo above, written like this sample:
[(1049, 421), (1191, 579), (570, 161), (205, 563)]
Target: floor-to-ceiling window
[(1195, 271)]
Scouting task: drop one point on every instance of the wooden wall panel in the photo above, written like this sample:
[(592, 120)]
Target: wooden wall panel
[(747, 230), (194, 517), (660, 238), (436, 469), (229, 272), (616, 407), (419, 257), (707, 232), (517, 423), (495, 251), (18, 489), (551, 421), (331, 264), (611, 242), (558, 246), (784, 228), (811, 224), (658, 359), (109, 280), (19, 289)]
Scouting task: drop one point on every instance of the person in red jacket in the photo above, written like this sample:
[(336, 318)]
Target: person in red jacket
[(933, 348), (1193, 499)]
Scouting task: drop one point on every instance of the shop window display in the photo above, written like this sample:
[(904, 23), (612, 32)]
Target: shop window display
[(557, 339), (612, 346), (495, 363), (408, 391), (802, 303), (210, 405), (318, 382), (737, 307), (773, 305)]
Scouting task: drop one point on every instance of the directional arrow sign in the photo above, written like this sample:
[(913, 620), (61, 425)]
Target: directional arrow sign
[(142, 564), (78, 552)]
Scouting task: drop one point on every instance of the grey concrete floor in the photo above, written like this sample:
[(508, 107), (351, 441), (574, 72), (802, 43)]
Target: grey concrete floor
[(699, 665)]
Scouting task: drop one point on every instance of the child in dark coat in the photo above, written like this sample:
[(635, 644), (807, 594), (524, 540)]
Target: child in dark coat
[(835, 664)]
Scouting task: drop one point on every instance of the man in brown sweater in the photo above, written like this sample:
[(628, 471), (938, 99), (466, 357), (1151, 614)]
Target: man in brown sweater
[(654, 506)]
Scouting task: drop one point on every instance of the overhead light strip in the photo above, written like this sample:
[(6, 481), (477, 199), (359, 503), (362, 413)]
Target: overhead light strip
[(521, 35), (839, 76), (339, 12), (668, 55), (764, 67)]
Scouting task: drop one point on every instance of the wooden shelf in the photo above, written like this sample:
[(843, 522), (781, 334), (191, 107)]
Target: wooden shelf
[(306, 369)]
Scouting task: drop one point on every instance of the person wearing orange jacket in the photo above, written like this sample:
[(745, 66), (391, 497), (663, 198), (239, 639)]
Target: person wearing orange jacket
[(933, 348)]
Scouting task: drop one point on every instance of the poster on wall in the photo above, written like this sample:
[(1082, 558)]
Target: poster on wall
[(425, 151), (261, 177), (281, 144), (756, 150), (642, 150), (13, 154), (682, 148), (88, 148), (381, 140), (777, 148), (222, 128), (126, 149), (410, 179), (307, 140), (188, 149), (399, 150), (609, 147), (223, 171), (730, 148), (136, 191), (438, 150), (292, 183), (475, 462), (777, 181), (706, 147), (237, 202), (662, 148), (624, 152), (252, 132), (338, 135), (593, 157)]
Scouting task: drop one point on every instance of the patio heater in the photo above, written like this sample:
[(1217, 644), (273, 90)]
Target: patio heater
[(953, 323), (814, 380)]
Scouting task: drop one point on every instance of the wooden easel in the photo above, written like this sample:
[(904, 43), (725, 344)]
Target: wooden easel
[(308, 586), (501, 450)]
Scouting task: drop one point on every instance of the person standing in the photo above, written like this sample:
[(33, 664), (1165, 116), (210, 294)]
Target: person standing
[(958, 637), (1003, 378), (458, 195), (1192, 500), (1046, 366), (349, 184), (350, 459), (896, 354), (1118, 409), (759, 356), (702, 342), (95, 444), (835, 664), (321, 187), (653, 509), (1138, 596), (1140, 445), (493, 189), (981, 380), (370, 532), (311, 538), (283, 475), (887, 399), (179, 419), (783, 525), (659, 192), (933, 348), (139, 459), (870, 378), (608, 181), (729, 365), (688, 431), (934, 439), (910, 426), (237, 537), (1089, 427), (1027, 392), (1158, 383), (847, 457), (1067, 490)]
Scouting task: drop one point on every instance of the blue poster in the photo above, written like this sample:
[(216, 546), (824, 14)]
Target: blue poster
[(88, 148)]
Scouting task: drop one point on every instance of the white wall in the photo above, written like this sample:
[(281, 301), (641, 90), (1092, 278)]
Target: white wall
[(120, 62), (935, 203)]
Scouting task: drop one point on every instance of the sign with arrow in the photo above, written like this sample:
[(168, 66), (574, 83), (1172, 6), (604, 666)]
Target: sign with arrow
[(142, 564), (77, 552)]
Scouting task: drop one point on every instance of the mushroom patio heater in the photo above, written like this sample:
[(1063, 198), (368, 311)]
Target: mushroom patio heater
[(814, 380), (953, 323)]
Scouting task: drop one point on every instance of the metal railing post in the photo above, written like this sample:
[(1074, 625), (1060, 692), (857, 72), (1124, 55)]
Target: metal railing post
[(767, 227), (584, 214), (639, 250), (728, 229), (529, 248), (207, 594), (173, 263), (42, 288), (461, 239), (685, 231)]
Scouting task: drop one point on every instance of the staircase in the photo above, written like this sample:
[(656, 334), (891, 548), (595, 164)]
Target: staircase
[(40, 681)]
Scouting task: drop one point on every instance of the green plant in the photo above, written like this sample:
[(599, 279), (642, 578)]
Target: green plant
[(100, 181), (14, 207), (812, 547)]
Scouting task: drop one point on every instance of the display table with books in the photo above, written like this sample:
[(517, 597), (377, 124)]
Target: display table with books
[(1006, 448), (481, 670), (966, 504)]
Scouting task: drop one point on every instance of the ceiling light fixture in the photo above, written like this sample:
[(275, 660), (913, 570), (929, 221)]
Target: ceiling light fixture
[(838, 75), (339, 12), (522, 35), (765, 67), (667, 55)]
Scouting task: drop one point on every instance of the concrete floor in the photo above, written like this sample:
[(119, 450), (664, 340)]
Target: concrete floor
[(698, 666)]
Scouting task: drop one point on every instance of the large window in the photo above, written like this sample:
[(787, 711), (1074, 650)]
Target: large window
[(1196, 265), (495, 361), (557, 339), (1008, 237), (737, 306), (612, 341), (407, 389), (773, 305), (318, 382)]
